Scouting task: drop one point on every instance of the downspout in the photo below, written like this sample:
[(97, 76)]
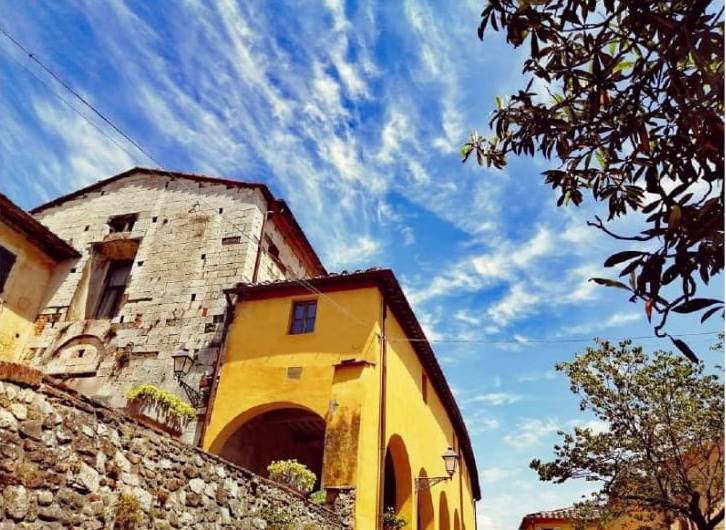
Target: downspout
[(228, 318), (457, 445), (382, 422)]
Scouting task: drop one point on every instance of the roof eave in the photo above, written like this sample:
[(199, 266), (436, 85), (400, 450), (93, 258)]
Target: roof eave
[(386, 281)]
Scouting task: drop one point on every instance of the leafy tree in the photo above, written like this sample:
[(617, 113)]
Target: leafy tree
[(633, 115), (662, 453)]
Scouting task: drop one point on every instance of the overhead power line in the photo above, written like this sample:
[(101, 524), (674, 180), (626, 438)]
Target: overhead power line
[(70, 89), (300, 281), (524, 341)]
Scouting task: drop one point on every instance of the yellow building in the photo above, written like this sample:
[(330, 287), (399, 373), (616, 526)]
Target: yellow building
[(308, 375), (32, 260)]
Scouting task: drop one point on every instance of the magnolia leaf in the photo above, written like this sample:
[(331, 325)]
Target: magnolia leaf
[(622, 256), (610, 283), (685, 350), (695, 304)]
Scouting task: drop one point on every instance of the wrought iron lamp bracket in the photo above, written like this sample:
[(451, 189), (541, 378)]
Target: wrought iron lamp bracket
[(195, 397), (424, 483)]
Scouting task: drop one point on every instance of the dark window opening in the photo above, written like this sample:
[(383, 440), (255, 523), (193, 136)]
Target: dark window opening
[(303, 317), (424, 387), (231, 240), (116, 280), (153, 219), (7, 260), (194, 297), (122, 223), (87, 227), (221, 210)]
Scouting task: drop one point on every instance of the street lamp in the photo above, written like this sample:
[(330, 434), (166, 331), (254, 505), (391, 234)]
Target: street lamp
[(183, 363), (450, 458)]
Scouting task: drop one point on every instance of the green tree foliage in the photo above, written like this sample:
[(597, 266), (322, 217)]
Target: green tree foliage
[(662, 451), (633, 115)]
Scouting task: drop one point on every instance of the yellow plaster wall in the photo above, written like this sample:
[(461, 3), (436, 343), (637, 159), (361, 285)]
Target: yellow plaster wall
[(425, 429), (253, 379), (24, 293)]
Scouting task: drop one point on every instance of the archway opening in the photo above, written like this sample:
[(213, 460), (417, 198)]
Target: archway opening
[(443, 512), (425, 519), (397, 479), (457, 524), (279, 434)]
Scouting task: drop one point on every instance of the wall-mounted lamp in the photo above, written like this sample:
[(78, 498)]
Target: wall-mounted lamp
[(183, 363), (450, 459)]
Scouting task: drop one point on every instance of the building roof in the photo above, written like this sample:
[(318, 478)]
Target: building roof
[(560, 514), (284, 220), (21, 221), (387, 283)]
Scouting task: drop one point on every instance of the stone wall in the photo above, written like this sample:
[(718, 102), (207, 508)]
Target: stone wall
[(69, 462), (190, 241)]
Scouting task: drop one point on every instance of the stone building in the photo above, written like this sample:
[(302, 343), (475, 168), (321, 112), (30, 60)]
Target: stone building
[(334, 371), (157, 249)]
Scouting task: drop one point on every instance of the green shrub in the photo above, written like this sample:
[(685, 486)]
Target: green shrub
[(391, 521), (172, 407), (317, 497), (292, 473), (128, 512)]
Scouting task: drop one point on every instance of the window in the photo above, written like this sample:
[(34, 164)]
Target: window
[(116, 279), (231, 240), (424, 387), (7, 260), (303, 317), (122, 223)]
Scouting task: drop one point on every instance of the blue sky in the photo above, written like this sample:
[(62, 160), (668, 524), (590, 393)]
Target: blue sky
[(355, 113)]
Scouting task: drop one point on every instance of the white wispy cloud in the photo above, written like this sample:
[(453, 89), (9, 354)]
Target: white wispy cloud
[(530, 432), (497, 398), (613, 321), (496, 474), (529, 377)]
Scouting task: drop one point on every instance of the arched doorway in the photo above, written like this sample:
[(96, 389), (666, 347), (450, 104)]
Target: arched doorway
[(397, 482), (443, 512), (425, 519), (457, 524), (278, 434)]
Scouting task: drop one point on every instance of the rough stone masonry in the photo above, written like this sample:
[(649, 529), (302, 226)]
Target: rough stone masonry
[(186, 238), (69, 462)]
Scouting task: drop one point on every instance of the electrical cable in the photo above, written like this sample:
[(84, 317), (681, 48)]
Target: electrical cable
[(301, 281), (305, 283)]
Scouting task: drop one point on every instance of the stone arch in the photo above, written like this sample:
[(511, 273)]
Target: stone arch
[(274, 431), (443, 512), (457, 523), (397, 479), (425, 508), (79, 355)]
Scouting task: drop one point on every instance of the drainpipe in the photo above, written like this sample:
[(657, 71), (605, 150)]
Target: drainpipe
[(228, 317), (382, 422)]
